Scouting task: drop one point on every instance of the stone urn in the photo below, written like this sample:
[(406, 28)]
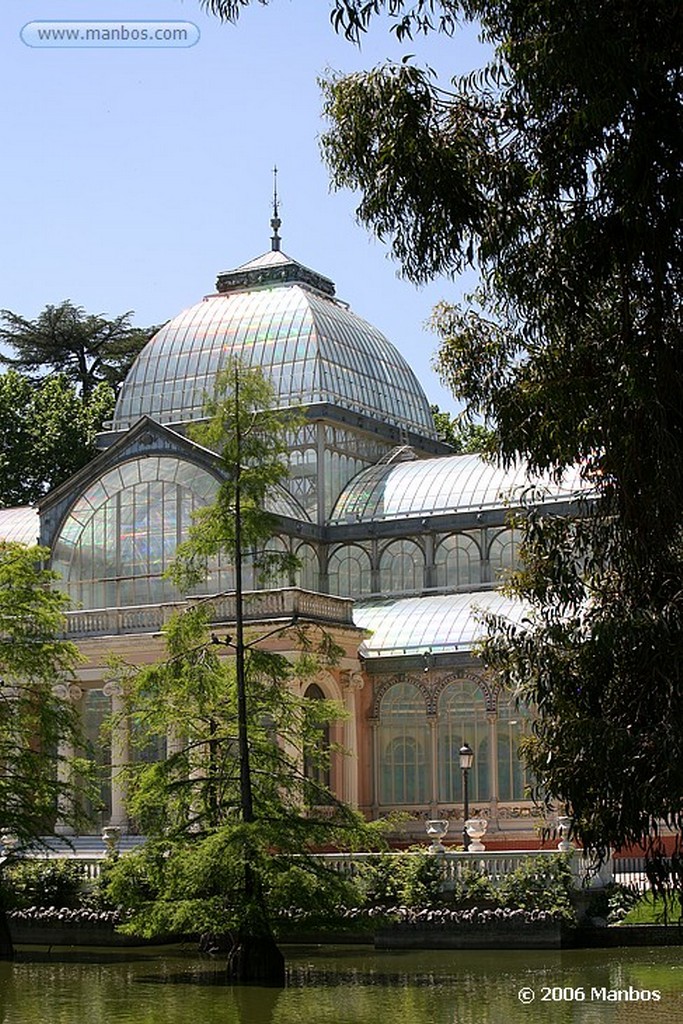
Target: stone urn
[(476, 829), (111, 837), (564, 824), (437, 829)]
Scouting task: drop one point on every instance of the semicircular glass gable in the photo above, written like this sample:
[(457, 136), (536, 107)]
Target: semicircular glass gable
[(312, 348), (121, 535), (431, 487)]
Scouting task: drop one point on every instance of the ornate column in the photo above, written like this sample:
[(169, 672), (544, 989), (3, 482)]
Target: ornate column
[(120, 756), (492, 719), (354, 683), (375, 756), (65, 756), (433, 722), (430, 567)]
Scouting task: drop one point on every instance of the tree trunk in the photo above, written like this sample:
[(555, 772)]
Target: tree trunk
[(256, 960), (6, 945)]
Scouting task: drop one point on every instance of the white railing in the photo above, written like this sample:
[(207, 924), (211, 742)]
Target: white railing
[(631, 871), (495, 865), (89, 863)]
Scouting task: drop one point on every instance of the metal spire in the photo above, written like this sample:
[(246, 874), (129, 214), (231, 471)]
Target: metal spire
[(275, 221)]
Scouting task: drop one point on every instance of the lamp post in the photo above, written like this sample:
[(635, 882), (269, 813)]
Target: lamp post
[(466, 755)]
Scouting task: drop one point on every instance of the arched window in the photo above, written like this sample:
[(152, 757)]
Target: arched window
[(512, 724), (316, 756), (403, 741), (503, 552), (462, 719), (349, 571), (268, 577), (121, 535), (303, 469), (401, 568), (458, 562), (308, 574), (96, 709)]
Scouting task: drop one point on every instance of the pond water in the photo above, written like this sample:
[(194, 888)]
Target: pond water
[(351, 985)]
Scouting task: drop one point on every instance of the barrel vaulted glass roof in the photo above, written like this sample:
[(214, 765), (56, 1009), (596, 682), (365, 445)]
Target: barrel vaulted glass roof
[(435, 624), (430, 487), (278, 315), (19, 524)]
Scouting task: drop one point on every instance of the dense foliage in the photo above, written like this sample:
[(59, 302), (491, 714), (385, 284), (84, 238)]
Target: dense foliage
[(463, 437), (47, 433), (86, 348), (43, 883), (189, 877), (33, 719), (36, 780)]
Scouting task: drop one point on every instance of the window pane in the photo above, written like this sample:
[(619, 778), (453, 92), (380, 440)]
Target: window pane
[(462, 719), (403, 741)]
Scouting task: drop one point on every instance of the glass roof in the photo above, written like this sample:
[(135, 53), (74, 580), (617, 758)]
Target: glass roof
[(455, 483), (438, 624), (311, 346), (20, 524)]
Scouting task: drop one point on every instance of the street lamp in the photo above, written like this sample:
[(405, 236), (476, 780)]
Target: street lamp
[(466, 760)]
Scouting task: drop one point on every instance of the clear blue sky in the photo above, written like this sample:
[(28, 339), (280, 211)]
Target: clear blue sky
[(132, 176)]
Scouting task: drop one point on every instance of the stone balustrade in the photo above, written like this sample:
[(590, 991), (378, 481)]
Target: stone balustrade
[(495, 865), (259, 606)]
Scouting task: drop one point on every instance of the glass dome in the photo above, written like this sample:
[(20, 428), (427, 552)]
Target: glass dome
[(432, 487), (278, 315)]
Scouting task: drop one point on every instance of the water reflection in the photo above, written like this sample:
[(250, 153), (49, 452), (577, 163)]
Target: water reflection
[(349, 985)]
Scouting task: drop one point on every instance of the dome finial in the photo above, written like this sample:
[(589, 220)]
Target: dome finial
[(275, 222)]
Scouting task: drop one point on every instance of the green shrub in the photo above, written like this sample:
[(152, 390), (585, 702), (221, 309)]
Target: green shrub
[(539, 883), (43, 883), (471, 885), (613, 903), (411, 879), (319, 893)]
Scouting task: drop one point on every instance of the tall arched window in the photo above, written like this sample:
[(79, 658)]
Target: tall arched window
[(269, 578), (503, 552), (308, 574), (349, 571), (512, 724), (458, 561), (462, 719), (96, 709), (401, 568), (314, 769), (403, 741)]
